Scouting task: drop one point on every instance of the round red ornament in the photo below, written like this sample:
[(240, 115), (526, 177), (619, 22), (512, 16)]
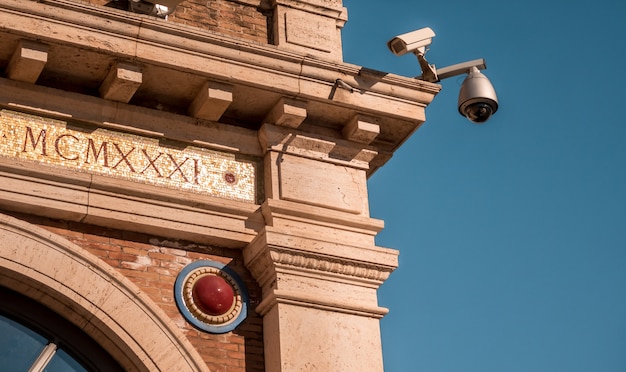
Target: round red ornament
[(213, 294)]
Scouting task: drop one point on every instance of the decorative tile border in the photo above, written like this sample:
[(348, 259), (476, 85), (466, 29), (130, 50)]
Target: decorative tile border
[(147, 160)]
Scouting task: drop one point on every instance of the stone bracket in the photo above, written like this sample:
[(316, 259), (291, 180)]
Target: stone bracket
[(287, 112), (27, 61), (361, 129), (123, 80), (212, 101)]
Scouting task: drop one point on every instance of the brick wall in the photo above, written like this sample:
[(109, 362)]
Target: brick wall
[(153, 263), (223, 16), (242, 19)]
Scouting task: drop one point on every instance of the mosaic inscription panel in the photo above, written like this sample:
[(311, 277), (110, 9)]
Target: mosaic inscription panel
[(126, 156)]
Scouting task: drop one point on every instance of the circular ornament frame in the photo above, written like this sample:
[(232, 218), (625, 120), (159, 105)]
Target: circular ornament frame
[(183, 293)]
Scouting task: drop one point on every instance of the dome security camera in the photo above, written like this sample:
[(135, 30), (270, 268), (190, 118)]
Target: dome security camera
[(477, 98)]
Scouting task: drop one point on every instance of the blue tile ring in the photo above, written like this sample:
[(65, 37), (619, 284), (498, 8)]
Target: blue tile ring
[(211, 296)]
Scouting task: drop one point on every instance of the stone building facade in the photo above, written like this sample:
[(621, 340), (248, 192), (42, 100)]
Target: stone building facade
[(189, 193)]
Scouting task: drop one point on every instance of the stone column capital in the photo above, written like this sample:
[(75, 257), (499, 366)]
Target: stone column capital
[(336, 268)]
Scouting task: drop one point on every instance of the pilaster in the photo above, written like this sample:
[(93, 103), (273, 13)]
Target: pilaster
[(316, 260)]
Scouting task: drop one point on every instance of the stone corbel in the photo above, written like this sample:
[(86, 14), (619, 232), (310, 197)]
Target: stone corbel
[(27, 61), (361, 129), (122, 82), (287, 112), (212, 101)]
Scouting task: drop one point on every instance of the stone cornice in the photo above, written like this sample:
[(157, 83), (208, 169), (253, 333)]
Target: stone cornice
[(311, 215), (312, 302), (130, 27), (194, 56)]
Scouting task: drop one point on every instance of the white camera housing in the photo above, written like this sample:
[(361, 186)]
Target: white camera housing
[(477, 98), (157, 8), (411, 42)]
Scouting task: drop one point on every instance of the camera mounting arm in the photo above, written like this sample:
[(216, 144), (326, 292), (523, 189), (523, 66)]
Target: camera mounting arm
[(429, 72), (433, 75)]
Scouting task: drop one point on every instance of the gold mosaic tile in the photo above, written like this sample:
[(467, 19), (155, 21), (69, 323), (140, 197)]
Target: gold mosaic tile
[(126, 156)]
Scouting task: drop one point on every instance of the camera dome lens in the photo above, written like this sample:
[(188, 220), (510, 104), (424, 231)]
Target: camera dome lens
[(478, 112), (477, 98)]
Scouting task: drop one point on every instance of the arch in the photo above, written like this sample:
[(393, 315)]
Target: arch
[(94, 296)]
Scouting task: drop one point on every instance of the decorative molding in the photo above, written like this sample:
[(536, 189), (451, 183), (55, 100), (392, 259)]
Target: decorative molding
[(64, 194), (265, 260), (311, 302), (274, 209), (370, 271)]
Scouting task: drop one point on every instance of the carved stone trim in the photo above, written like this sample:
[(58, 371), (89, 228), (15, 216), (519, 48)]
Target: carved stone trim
[(264, 260), (334, 265)]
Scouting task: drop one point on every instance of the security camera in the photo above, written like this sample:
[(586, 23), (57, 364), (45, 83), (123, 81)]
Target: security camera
[(477, 98), (157, 8), (411, 42)]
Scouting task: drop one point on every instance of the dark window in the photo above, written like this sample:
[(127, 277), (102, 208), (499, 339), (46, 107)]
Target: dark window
[(32, 337)]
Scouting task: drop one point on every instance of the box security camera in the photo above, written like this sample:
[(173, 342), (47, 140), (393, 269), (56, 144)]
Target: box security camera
[(411, 42)]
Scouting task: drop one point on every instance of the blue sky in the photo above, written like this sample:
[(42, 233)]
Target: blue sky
[(512, 234)]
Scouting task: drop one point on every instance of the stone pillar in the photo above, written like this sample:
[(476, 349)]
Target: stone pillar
[(316, 259), (309, 26)]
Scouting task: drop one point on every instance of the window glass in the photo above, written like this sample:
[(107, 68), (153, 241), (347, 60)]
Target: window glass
[(27, 326), (19, 345), (62, 362)]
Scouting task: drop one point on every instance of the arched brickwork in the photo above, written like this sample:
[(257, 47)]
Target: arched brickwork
[(95, 297)]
